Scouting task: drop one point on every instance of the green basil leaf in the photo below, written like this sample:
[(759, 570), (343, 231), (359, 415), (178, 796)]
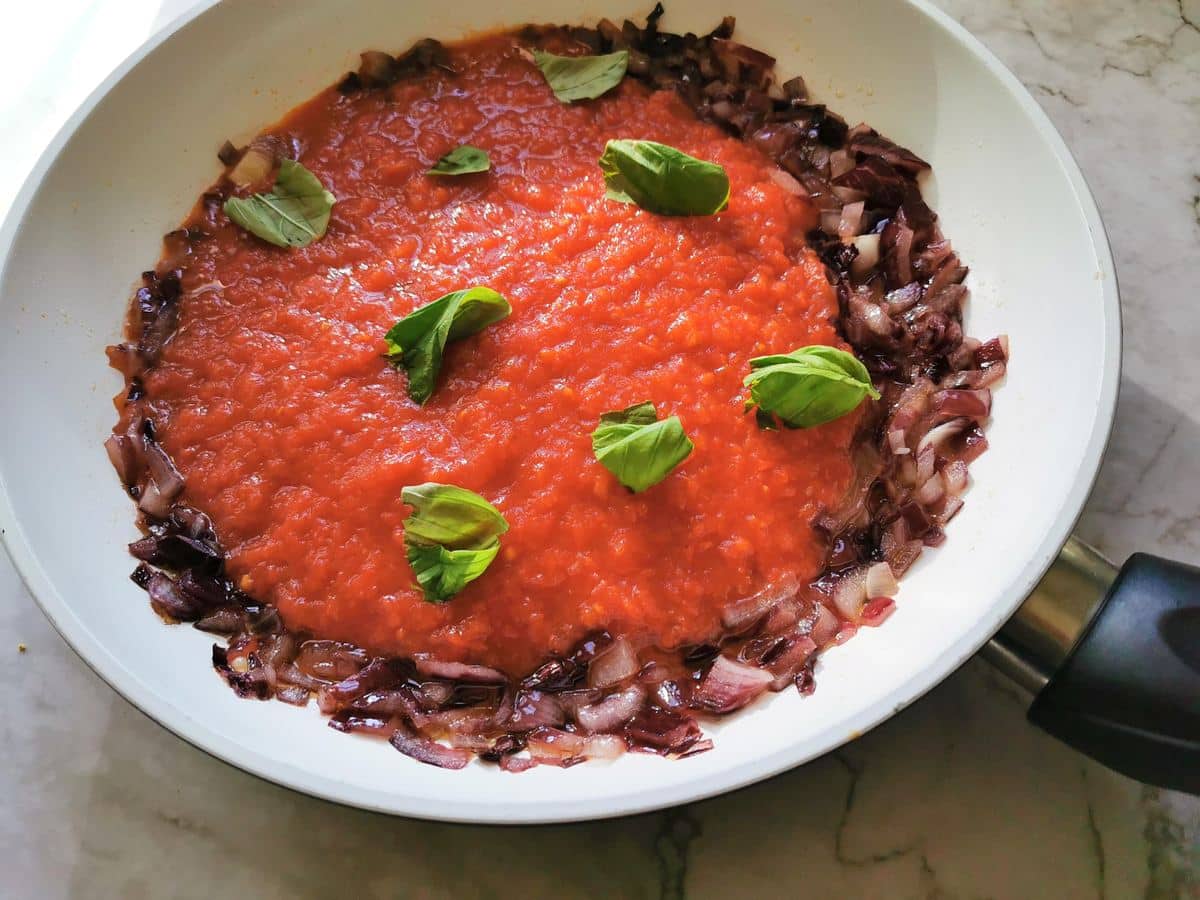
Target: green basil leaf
[(807, 387), (462, 161), (417, 341), (662, 179), (581, 77), (451, 537), (442, 573), (642, 413), (638, 447), (451, 516), (295, 212)]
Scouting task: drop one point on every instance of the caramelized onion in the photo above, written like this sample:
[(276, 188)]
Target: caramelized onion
[(375, 674), (533, 709), (787, 182), (254, 168), (741, 615), (616, 664), (611, 712), (867, 259), (729, 685), (877, 610), (937, 437), (795, 653), (556, 747), (453, 671), (850, 593), (880, 582), (429, 751)]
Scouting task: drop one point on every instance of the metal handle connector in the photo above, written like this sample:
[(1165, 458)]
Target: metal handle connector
[(1039, 637)]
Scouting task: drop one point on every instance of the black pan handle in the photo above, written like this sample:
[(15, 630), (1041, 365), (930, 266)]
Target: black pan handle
[(1128, 694), (1113, 659)]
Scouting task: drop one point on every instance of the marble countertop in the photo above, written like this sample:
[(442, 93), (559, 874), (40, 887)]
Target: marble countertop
[(955, 797)]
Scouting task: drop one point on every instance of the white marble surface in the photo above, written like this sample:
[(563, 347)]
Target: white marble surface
[(955, 797)]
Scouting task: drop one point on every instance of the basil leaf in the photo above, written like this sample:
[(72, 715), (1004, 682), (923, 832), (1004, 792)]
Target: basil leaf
[(294, 214), (452, 516), (807, 387), (662, 179), (417, 341), (637, 447), (442, 573), (581, 77), (642, 413), (451, 537), (462, 161)]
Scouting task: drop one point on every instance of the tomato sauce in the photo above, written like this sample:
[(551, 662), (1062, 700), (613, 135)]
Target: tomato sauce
[(296, 436)]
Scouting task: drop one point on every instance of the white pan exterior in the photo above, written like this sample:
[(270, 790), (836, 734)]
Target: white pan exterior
[(128, 165)]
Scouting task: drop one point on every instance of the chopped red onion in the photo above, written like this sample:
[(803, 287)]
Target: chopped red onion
[(660, 730), (168, 600), (433, 694), (900, 255), (748, 611), (290, 674), (471, 720), (973, 404), (850, 223), (795, 654), (865, 140), (329, 661), (876, 611), (604, 746), (880, 582), (850, 593), (254, 168), (729, 685), (847, 631), (293, 694), (553, 745), (938, 436), (727, 49), (931, 491), (868, 255), (375, 674), (783, 615), (226, 620), (126, 359), (429, 751), (955, 477), (349, 723), (514, 763), (825, 626), (168, 483), (840, 162), (453, 671), (611, 667), (534, 709), (950, 510), (901, 556), (611, 712), (993, 351), (476, 743), (926, 461), (787, 182)]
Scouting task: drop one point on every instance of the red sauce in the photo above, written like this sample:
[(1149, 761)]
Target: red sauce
[(297, 437)]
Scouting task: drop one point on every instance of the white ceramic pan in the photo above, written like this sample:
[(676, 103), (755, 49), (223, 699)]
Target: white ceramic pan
[(128, 164)]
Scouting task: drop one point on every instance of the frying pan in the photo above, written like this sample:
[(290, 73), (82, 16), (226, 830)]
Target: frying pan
[(1112, 656)]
